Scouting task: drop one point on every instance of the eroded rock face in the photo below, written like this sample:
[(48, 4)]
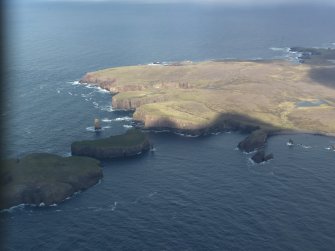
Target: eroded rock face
[(254, 141), (46, 178), (131, 143)]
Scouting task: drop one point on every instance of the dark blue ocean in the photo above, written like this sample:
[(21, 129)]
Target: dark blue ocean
[(191, 193)]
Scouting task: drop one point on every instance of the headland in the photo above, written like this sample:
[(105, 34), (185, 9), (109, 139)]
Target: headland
[(196, 98)]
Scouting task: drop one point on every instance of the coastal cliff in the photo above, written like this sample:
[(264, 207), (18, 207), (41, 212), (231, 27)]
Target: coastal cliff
[(133, 142), (197, 98), (46, 179)]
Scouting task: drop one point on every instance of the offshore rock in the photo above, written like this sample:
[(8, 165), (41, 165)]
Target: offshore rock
[(260, 157), (254, 141), (133, 142)]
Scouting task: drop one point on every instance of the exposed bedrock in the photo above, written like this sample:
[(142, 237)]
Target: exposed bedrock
[(46, 178)]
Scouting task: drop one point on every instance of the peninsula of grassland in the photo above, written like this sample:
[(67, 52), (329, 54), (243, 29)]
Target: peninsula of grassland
[(271, 95)]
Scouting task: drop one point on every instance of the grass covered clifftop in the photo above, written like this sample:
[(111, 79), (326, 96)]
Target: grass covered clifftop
[(274, 94), (46, 178)]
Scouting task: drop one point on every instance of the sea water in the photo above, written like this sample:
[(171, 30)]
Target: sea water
[(191, 193)]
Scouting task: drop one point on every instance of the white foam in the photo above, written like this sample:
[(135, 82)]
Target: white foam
[(216, 133), (106, 120), (58, 91), (68, 154), (97, 88), (285, 49), (127, 126), (75, 83), (186, 135), (126, 118), (155, 64), (11, 209), (90, 129), (70, 93), (42, 204), (107, 108), (330, 148)]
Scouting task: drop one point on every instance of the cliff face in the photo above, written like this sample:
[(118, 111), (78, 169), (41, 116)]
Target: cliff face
[(132, 143), (132, 103), (46, 178)]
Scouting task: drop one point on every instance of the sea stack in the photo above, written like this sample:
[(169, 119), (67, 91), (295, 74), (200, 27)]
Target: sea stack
[(97, 124)]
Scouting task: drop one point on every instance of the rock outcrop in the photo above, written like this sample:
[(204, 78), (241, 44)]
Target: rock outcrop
[(46, 179), (260, 157), (133, 142), (254, 141)]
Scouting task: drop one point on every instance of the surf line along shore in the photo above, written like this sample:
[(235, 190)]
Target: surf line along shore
[(259, 97)]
